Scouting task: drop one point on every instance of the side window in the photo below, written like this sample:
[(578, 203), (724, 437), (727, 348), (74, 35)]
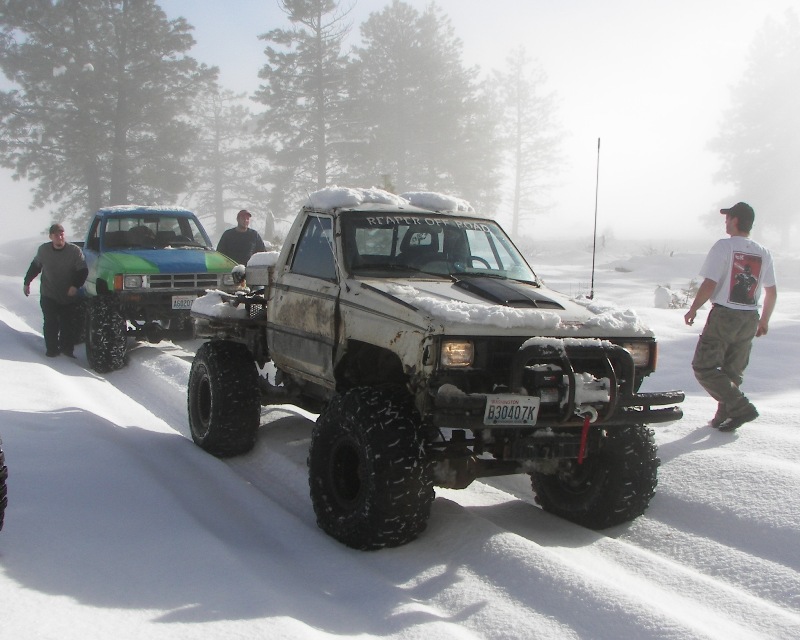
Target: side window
[(314, 253), (93, 242)]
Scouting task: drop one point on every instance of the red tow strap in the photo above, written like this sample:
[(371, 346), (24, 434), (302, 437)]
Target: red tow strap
[(584, 437)]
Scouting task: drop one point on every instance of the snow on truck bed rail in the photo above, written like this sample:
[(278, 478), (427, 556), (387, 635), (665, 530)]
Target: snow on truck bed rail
[(263, 259), (213, 305)]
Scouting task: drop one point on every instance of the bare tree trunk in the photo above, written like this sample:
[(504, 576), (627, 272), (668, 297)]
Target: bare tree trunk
[(320, 141), (218, 180), (515, 212), (269, 226), (119, 152)]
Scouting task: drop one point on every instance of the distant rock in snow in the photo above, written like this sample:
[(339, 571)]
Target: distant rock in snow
[(663, 297)]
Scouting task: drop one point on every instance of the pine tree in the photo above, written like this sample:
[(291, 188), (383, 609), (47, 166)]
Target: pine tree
[(227, 170), (303, 92), (97, 115), (759, 140), (531, 135), (419, 117)]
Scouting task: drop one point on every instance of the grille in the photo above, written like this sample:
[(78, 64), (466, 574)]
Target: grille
[(255, 310), (492, 369), (184, 280), (498, 354)]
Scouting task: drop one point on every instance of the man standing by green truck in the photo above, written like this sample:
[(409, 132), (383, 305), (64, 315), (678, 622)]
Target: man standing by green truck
[(241, 242), (64, 271)]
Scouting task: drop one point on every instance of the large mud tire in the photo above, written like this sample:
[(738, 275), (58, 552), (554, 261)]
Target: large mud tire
[(106, 335), (3, 487), (612, 486), (223, 397), (371, 484)]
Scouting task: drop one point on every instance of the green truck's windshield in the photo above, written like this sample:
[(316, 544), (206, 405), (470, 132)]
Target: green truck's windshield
[(151, 231)]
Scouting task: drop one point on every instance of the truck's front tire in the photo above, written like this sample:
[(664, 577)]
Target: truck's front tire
[(3, 487), (106, 335), (371, 484), (224, 399), (613, 485)]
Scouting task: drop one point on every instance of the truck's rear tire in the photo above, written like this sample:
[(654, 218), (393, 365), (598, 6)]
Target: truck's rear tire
[(223, 399), (3, 487), (371, 484), (613, 485), (106, 335)]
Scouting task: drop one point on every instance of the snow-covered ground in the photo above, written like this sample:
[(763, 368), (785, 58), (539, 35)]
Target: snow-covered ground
[(118, 526)]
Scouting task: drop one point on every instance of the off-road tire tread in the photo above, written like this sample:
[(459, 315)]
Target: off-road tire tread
[(394, 490), (3, 485), (106, 335), (618, 485), (223, 399)]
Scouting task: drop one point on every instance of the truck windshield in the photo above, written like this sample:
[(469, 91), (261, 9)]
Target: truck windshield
[(153, 232), (382, 245)]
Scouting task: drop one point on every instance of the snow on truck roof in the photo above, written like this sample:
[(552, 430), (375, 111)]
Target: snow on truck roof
[(343, 197), (437, 201)]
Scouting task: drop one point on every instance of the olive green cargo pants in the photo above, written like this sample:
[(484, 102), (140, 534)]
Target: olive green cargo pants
[(722, 354)]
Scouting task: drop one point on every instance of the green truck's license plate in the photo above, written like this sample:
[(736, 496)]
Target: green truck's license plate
[(183, 302)]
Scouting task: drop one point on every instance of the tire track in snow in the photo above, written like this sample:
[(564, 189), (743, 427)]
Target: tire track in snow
[(555, 560), (623, 566)]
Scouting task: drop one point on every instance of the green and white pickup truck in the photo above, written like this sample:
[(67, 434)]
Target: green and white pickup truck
[(146, 267)]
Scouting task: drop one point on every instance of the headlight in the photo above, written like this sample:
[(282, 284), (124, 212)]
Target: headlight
[(457, 353), (227, 279), (132, 282), (640, 351)]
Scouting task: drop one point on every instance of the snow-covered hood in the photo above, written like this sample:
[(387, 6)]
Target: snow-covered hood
[(493, 306)]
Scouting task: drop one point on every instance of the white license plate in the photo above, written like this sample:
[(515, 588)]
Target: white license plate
[(183, 302), (512, 410)]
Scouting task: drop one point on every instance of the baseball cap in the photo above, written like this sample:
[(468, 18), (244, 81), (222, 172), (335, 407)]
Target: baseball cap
[(741, 210), (244, 212)]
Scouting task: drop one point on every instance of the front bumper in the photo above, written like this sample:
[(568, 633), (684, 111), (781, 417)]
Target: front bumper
[(150, 305), (570, 356)]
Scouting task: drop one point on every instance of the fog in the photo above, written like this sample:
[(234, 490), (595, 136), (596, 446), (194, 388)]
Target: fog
[(652, 82)]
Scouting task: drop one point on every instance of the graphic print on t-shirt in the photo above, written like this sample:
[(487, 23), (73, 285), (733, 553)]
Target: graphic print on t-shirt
[(744, 278)]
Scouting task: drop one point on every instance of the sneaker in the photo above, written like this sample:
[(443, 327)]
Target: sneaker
[(734, 422), (720, 416), (51, 354)]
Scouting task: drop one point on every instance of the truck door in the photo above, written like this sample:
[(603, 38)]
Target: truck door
[(303, 312)]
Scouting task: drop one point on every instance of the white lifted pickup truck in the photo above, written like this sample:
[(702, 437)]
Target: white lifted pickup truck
[(434, 355)]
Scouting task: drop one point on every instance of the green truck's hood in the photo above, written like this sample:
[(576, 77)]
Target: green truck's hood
[(166, 261)]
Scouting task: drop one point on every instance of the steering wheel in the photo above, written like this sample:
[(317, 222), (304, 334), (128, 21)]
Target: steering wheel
[(472, 259)]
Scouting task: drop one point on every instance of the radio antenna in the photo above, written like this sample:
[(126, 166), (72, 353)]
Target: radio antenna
[(594, 240)]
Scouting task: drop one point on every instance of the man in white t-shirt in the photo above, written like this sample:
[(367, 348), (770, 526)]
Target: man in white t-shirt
[(735, 272)]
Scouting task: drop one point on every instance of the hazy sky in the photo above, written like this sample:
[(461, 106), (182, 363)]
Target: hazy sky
[(650, 78)]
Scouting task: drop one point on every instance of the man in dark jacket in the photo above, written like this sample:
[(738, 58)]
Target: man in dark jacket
[(64, 271), (241, 242)]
